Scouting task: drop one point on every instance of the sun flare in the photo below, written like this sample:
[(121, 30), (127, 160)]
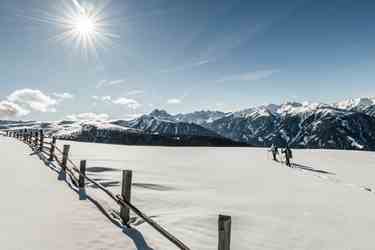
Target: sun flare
[(81, 24), (84, 25)]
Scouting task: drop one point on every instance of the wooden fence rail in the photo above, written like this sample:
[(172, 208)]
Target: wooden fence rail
[(36, 140)]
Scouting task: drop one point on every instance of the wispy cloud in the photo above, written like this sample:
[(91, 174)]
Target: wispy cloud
[(238, 35), (250, 76), (187, 66), (105, 98), (178, 100), (63, 96), (115, 82), (106, 83), (174, 101), (135, 92), (130, 103), (88, 117)]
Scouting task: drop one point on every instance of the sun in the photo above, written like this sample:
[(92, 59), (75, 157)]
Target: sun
[(85, 25)]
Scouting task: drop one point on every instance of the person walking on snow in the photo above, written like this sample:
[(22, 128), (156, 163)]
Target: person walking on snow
[(288, 155), (275, 151)]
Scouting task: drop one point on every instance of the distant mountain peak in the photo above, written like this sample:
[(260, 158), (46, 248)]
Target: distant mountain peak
[(161, 114), (355, 103), (292, 104)]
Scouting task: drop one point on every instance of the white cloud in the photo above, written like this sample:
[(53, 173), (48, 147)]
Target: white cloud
[(10, 109), (250, 76), (106, 83), (174, 101), (115, 82), (63, 95), (130, 103), (32, 99), (135, 92), (106, 98), (88, 117), (100, 84), (188, 66)]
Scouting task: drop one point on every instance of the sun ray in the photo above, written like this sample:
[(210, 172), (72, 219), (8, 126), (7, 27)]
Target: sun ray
[(86, 28)]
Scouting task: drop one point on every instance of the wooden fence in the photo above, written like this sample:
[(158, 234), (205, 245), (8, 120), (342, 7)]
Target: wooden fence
[(37, 140)]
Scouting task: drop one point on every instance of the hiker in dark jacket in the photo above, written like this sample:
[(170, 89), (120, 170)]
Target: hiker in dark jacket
[(275, 151), (288, 155)]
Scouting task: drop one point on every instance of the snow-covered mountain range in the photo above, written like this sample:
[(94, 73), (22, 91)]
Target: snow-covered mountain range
[(348, 124)]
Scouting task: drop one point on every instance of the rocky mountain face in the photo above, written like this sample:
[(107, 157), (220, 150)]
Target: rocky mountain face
[(160, 122)]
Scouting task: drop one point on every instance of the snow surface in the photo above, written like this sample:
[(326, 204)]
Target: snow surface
[(326, 202)]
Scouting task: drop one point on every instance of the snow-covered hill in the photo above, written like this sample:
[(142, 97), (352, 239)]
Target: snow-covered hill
[(325, 202), (146, 130)]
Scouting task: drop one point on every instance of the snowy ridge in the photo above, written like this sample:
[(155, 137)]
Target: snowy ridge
[(357, 103), (160, 122), (309, 125), (347, 124)]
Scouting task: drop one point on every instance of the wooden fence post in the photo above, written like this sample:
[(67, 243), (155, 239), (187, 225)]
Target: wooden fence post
[(82, 170), (65, 156), (36, 139), (225, 223), (52, 151), (41, 144), (126, 194), (31, 138)]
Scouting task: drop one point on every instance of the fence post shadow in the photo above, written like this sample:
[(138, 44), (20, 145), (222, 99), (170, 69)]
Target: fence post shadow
[(67, 175), (82, 194), (62, 175), (137, 238)]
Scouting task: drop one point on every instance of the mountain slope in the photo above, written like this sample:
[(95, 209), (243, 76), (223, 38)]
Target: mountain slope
[(144, 131), (164, 124), (309, 125)]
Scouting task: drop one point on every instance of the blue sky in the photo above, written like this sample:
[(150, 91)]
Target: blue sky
[(185, 55)]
